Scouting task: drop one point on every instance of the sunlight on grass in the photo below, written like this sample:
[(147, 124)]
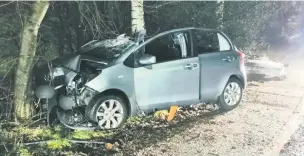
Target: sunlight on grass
[(58, 144), (36, 133), (24, 152), (86, 135)]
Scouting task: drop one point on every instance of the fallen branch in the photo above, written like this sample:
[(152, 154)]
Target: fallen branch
[(86, 142), (10, 123), (72, 141)]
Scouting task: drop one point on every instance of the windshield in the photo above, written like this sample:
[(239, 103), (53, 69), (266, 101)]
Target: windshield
[(107, 49)]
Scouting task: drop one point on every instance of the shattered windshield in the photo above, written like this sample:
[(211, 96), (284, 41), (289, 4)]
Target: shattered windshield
[(108, 49)]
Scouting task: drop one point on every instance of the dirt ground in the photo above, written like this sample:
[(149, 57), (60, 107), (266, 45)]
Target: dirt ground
[(253, 128)]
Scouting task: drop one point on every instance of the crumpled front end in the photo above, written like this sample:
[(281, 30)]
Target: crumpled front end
[(64, 80), (69, 86), (66, 91)]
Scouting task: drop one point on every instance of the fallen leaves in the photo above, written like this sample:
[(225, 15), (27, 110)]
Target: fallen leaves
[(161, 115)]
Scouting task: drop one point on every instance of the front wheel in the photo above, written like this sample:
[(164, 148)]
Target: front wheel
[(231, 95), (110, 111)]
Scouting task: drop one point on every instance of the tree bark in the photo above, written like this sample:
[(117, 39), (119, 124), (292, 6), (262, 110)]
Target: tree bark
[(220, 14), (23, 106), (137, 15)]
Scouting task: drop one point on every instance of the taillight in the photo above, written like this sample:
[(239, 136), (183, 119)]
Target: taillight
[(242, 57)]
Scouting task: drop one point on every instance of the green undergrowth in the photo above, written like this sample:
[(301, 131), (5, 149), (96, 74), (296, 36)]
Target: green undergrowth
[(90, 135), (37, 133), (56, 138), (59, 138), (58, 144), (24, 152), (135, 120)]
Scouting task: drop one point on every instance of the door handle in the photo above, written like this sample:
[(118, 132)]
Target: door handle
[(188, 66), (229, 58), (191, 66)]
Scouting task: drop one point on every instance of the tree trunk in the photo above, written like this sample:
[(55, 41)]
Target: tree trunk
[(219, 14), (137, 15), (23, 106)]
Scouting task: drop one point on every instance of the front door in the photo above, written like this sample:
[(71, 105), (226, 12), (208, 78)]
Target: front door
[(173, 79)]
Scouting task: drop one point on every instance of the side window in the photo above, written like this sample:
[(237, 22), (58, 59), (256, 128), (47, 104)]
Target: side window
[(206, 42), (224, 44), (169, 47), (130, 61)]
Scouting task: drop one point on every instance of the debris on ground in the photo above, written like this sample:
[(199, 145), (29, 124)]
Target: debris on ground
[(161, 115), (265, 66), (172, 112)]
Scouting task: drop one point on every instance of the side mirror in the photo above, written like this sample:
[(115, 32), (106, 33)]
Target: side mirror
[(147, 59)]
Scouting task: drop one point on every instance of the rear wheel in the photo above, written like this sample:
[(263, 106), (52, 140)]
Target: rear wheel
[(110, 111), (231, 95)]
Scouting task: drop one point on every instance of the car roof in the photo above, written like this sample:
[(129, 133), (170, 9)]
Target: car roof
[(184, 29)]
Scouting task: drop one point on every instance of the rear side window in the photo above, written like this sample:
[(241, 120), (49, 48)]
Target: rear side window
[(223, 42), (206, 42), (209, 42)]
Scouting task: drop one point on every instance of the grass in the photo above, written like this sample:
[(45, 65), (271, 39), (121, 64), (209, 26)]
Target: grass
[(58, 144), (45, 140), (24, 152), (37, 133), (89, 135)]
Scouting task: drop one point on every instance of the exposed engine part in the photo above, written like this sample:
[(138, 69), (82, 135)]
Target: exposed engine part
[(86, 96), (69, 77), (76, 93)]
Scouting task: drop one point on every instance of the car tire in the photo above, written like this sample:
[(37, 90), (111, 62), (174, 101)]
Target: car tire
[(231, 97), (110, 109)]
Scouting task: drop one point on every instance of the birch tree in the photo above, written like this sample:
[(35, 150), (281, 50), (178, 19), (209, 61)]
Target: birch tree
[(137, 15), (219, 13), (23, 106)]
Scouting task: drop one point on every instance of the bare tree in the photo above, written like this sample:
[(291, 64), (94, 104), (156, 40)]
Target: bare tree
[(137, 15), (219, 13), (23, 107)]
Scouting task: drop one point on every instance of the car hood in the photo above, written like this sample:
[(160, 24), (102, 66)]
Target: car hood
[(72, 61)]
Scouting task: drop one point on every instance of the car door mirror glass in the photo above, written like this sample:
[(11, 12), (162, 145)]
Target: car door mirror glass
[(147, 59)]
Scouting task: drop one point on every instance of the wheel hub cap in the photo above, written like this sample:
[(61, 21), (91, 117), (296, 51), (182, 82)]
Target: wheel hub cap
[(109, 114), (232, 93)]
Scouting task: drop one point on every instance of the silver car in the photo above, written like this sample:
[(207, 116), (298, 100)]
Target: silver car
[(106, 81)]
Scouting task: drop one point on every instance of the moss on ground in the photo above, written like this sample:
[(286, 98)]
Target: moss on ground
[(58, 144), (135, 120), (88, 135), (59, 138), (36, 133)]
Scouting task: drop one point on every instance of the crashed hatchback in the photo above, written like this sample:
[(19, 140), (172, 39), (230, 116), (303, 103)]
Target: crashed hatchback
[(106, 81)]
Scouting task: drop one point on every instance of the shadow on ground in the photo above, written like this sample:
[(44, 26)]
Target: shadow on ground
[(262, 78)]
